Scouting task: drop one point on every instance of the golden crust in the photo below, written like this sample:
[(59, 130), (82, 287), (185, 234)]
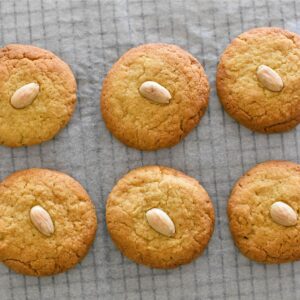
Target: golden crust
[(254, 232), (243, 97), (180, 196), (54, 105), (141, 123), (22, 247)]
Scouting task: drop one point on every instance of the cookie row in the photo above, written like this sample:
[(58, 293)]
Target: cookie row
[(155, 94), (156, 216)]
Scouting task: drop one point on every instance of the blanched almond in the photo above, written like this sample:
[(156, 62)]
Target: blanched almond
[(152, 90), (25, 95), (160, 221), (283, 214), (41, 220), (269, 78)]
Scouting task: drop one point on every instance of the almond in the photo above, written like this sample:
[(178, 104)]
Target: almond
[(269, 78), (25, 95), (160, 221), (283, 214), (152, 90), (41, 220)]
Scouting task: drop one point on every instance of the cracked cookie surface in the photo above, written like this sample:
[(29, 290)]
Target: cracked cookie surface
[(239, 90), (254, 232), (144, 124), (180, 196), (54, 104), (22, 247)]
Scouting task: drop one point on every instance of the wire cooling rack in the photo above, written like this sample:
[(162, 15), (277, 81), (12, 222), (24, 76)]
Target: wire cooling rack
[(90, 35)]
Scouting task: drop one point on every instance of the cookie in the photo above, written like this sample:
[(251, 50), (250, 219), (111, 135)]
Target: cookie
[(48, 222), (258, 79), (153, 96), (37, 95), (159, 217), (263, 212)]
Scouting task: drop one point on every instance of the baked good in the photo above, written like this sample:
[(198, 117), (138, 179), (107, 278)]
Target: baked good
[(263, 212), (48, 222), (159, 217), (153, 96), (37, 95), (258, 79)]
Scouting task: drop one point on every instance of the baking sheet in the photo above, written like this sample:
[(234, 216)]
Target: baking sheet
[(90, 35)]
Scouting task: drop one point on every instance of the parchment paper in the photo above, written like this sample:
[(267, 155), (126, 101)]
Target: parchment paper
[(90, 35)]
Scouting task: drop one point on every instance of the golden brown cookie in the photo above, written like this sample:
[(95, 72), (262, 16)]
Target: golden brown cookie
[(145, 124), (260, 232), (31, 251), (181, 197), (50, 109), (241, 90)]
